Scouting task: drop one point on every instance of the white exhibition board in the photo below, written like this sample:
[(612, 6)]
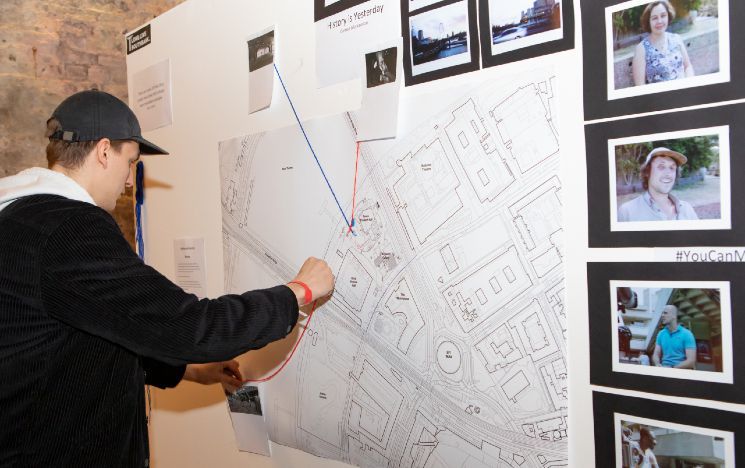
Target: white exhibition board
[(206, 45), (205, 42)]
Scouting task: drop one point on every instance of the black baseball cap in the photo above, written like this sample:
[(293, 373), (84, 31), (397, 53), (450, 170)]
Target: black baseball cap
[(92, 115)]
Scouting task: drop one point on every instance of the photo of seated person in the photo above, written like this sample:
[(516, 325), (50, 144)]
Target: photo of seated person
[(675, 345), (661, 55), (668, 327)]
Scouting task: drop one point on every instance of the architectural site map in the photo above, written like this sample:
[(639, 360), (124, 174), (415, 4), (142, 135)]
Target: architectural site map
[(444, 342)]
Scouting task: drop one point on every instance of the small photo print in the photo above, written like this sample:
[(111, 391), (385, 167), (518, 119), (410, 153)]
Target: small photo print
[(643, 442), (380, 67), (666, 45), (245, 400), (670, 181), (261, 51), (521, 23), (440, 38), (675, 329)]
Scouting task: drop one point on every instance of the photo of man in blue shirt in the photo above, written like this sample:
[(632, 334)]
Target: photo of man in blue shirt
[(675, 345)]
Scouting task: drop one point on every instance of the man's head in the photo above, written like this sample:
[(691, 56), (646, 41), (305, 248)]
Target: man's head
[(669, 315), (96, 137), (660, 169), (646, 438)]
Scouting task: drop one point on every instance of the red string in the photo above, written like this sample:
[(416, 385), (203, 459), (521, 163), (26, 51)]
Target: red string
[(354, 191), (274, 374)]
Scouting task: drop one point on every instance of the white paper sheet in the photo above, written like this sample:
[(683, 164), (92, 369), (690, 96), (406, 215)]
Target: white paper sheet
[(261, 49), (341, 38), (152, 96), (190, 261), (381, 69), (251, 433)]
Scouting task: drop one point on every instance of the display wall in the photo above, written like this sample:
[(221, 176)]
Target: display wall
[(498, 177)]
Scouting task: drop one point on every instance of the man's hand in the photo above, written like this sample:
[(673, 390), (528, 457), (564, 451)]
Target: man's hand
[(317, 275), (227, 373)]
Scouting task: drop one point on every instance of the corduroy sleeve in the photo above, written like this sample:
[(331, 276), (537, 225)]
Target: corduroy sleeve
[(162, 375), (93, 281)]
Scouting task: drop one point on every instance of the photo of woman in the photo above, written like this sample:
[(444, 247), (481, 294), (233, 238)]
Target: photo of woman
[(661, 55), (664, 45)]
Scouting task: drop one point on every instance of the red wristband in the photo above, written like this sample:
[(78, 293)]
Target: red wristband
[(308, 292)]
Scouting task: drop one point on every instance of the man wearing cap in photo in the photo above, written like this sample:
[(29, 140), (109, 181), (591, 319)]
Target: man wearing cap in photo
[(658, 173), (84, 323)]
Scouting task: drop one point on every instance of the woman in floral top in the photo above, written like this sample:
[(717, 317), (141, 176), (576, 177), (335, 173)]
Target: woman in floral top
[(661, 56)]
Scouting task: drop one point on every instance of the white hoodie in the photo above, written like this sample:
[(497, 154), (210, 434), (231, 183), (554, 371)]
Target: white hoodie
[(37, 181)]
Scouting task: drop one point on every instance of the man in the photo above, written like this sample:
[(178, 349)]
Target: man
[(658, 174), (675, 345), (84, 324)]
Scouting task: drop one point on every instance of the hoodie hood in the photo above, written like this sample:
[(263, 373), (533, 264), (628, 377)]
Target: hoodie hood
[(40, 181)]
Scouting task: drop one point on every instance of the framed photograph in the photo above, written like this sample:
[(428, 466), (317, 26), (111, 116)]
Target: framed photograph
[(658, 328), (440, 40), (630, 432), (641, 55), (667, 328), (514, 30), (643, 440), (650, 49), (666, 180), (670, 181), (325, 8)]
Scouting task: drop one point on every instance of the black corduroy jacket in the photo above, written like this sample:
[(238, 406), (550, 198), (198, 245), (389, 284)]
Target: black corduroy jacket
[(84, 323)]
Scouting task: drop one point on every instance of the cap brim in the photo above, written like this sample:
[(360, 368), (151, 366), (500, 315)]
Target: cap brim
[(147, 147), (674, 155)]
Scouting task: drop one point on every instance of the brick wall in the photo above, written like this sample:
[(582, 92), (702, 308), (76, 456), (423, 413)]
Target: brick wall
[(50, 49)]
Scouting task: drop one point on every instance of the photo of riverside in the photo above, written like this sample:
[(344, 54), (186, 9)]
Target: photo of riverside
[(439, 34), (515, 19)]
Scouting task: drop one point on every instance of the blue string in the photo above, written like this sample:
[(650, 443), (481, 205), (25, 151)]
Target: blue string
[(139, 201), (311, 148)]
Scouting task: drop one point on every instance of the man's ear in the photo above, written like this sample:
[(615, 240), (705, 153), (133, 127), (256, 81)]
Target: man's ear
[(102, 150)]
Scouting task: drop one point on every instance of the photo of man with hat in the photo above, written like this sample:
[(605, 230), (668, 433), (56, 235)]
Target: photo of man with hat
[(658, 174)]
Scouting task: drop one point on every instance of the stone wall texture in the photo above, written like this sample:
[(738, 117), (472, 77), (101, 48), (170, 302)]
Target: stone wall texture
[(50, 49)]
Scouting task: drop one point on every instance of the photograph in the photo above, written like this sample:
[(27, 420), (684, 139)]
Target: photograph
[(650, 443), (439, 38), (668, 328), (666, 45), (674, 329), (380, 67), (633, 432), (245, 400), (520, 23), (261, 51), (680, 53), (670, 181), (666, 180)]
